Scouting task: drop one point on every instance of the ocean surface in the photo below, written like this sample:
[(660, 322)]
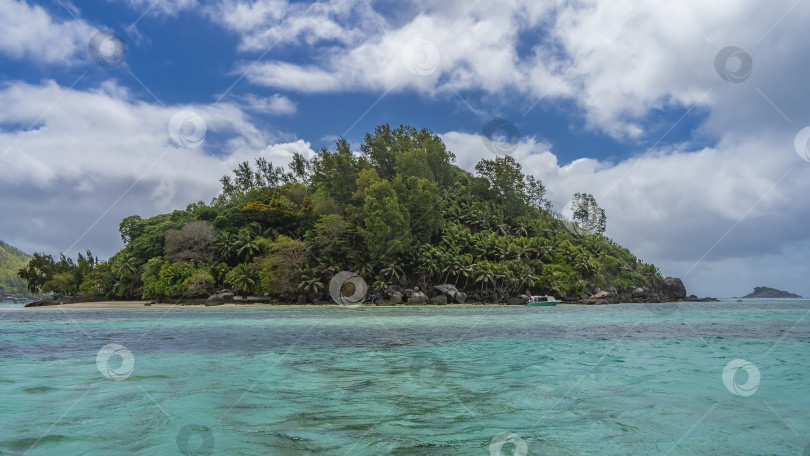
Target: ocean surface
[(723, 378)]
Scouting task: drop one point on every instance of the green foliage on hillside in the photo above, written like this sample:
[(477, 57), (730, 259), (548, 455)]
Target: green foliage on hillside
[(11, 260), (399, 213)]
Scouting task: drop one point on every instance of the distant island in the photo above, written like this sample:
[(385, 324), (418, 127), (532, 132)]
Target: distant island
[(400, 215), (766, 292)]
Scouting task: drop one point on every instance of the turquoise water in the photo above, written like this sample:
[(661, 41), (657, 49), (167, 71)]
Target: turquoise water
[(565, 380)]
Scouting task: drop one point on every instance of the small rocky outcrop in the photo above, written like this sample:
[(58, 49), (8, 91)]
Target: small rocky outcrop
[(518, 301), (390, 290), (438, 299), (460, 298), (446, 289), (693, 298), (673, 288), (417, 297), (219, 298), (640, 292), (599, 298), (55, 301)]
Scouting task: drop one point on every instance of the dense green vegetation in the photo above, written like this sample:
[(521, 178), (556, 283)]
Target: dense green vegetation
[(399, 213), (11, 260)]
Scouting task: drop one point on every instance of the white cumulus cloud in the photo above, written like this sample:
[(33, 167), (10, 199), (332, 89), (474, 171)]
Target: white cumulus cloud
[(30, 32), (74, 157)]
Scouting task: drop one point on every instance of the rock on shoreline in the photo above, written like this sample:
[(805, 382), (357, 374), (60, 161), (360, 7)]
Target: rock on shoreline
[(672, 290)]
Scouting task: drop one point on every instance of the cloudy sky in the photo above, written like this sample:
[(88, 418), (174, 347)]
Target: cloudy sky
[(684, 119)]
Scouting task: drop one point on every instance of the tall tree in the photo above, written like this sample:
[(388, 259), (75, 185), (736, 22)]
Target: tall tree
[(195, 241), (336, 172), (381, 148), (301, 168), (39, 271), (536, 192), (505, 183), (588, 213), (386, 223), (421, 197)]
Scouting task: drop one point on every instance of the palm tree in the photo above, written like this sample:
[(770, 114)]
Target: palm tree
[(502, 249), (254, 229), (379, 283), (543, 247), (248, 246), (427, 263), (309, 283), (393, 270), (500, 271), (484, 275), (227, 244), (327, 265), (595, 244), (552, 280), (125, 269), (585, 265), (364, 268), (467, 269), (452, 265), (528, 280), (219, 272), (520, 228), (475, 218), (243, 278), (481, 245), (524, 248)]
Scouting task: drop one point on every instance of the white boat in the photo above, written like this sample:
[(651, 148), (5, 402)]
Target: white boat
[(542, 301)]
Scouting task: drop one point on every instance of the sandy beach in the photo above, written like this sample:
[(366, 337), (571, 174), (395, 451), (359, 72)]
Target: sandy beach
[(142, 304)]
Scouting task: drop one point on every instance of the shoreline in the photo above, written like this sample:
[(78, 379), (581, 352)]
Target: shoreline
[(142, 305)]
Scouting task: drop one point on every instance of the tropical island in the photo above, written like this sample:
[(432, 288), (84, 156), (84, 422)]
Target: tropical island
[(401, 215), (770, 293)]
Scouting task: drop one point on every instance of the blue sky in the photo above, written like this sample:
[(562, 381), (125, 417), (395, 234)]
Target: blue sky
[(695, 163), (186, 58)]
